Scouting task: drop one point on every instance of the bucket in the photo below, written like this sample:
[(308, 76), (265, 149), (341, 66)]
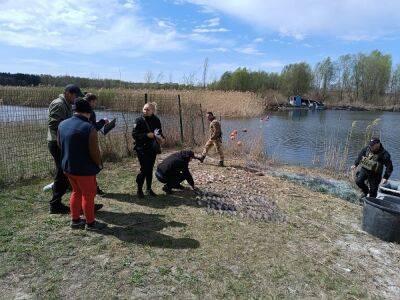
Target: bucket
[(381, 218)]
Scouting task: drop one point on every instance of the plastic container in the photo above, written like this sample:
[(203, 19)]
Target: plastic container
[(381, 218)]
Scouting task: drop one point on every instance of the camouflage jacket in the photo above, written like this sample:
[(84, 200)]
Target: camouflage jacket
[(215, 130), (59, 110)]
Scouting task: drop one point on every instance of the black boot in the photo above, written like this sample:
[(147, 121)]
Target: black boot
[(151, 193), (140, 193), (167, 190), (221, 163), (59, 208), (78, 224), (202, 158)]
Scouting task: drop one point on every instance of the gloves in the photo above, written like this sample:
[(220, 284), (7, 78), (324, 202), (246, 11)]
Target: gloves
[(157, 133)]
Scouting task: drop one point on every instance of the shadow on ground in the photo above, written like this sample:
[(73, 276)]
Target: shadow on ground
[(143, 229)]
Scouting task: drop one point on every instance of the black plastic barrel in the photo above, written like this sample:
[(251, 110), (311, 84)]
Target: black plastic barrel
[(381, 218)]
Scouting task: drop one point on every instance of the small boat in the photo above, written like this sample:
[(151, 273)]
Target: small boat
[(299, 102), (391, 188)]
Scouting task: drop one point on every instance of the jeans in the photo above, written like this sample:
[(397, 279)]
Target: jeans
[(146, 160), (373, 181)]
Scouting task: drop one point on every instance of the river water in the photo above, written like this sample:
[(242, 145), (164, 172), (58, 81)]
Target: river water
[(304, 137), (301, 137)]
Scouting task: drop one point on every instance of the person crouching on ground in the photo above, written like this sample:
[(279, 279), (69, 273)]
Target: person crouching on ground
[(80, 161), (215, 139), (92, 99), (174, 169), (372, 159), (148, 136)]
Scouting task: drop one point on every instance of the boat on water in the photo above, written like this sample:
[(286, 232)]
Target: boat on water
[(299, 102)]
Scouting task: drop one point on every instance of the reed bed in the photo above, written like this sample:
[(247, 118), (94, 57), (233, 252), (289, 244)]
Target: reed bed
[(223, 103)]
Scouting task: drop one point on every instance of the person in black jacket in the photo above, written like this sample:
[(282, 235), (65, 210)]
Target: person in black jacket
[(372, 160), (174, 169), (92, 99), (146, 132)]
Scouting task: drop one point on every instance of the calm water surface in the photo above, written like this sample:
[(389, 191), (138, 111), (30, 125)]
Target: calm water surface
[(302, 137)]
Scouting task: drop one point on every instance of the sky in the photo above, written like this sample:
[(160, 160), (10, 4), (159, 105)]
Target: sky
[(169, 40)]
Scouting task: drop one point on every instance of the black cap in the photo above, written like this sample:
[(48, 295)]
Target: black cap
[(374, 141), (81, 106), (74, 89)]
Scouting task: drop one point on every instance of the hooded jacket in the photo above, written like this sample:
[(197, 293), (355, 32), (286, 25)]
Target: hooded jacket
[(383, 158), (176, 164)]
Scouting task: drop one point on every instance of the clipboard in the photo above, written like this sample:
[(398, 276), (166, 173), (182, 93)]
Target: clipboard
[(109, 126)]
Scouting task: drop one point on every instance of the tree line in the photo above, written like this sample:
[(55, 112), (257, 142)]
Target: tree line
[(20, 79), (353, 77)]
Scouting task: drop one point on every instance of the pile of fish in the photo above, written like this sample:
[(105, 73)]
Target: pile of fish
[(237, 202)]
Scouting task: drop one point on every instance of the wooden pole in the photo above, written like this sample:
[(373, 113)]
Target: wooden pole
[(202, 120), (145, 98), (180, 118)]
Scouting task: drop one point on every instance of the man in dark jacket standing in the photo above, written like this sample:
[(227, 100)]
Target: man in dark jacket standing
[(372, 160), (147, 131), (174, 169), (60, 109), (81, 161)]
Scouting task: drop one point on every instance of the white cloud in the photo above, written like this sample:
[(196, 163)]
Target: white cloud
[(212, 22), (218, 49), (205, 30), (346, 19), (83, 26), (258, 40), (210, 26), (250, 50)]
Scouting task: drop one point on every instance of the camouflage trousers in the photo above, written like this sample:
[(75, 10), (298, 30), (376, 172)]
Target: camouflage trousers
[(218, 146)]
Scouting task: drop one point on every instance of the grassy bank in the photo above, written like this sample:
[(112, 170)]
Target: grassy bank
[(174, 247)]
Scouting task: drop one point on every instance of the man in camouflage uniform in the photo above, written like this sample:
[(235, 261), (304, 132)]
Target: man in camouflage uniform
[(215, 139)]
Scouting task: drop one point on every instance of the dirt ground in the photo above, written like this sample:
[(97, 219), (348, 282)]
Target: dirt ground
[(246, 235)]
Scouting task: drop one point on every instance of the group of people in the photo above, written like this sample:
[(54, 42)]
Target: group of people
[(73, 143)]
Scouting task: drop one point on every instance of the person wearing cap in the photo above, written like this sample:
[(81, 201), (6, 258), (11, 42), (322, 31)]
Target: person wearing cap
[(174, 169), (60, 109), (81, 162), (372, 160)]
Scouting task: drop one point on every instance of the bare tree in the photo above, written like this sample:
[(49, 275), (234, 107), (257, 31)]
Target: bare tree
[(148, 77), (189, 79), (160, 77)]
